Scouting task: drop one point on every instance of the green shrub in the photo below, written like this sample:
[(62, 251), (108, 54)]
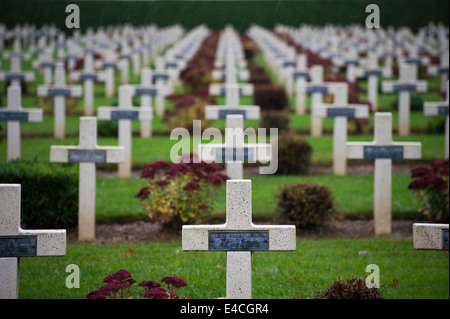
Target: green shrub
[(49, 192), (275, 119), (294, 155), (258, 75), (306, 205), (270, 97), (108, 128), (354, 288)]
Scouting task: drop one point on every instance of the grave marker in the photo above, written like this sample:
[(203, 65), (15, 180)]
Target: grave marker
[(406, 84), (16, 75), (16, 242), (239, 237), (383, 150), (147, 91), (232, 105), (300, 74), (88, 77), (440, 109), (87, 153), (60, 91), (430, 236), (14, 114), (125, 113), (340, 110), (235, 152)]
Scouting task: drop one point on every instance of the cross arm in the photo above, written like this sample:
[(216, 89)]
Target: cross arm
[(351, 110), (243, 75), (47, 90), (244, 89), (395, 86), (435, 108), (196, 238), (251, 153), (110, 154), (394, 150), (430, 236), (117, 113), (49, 242), (220, 112)]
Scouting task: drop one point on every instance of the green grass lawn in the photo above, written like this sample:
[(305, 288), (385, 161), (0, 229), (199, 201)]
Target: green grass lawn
[(314, 266), (115, 199)]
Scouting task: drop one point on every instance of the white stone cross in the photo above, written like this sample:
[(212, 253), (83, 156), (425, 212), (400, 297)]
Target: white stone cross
[(232, 92), (239, 237), (60, 91), (46, 63), (16, 75), (340, 110), (317, 88), (124, 62), (372, 73), (146, 90), (388, 56), (16, 242), (16, 52), (88, 76), (441, 69), (235, 152), (87, 153), (406, 84), (163, 79), (108, 76), (430, 236), (300, 74), (125, 113), (350, 62), (14, 114), (440, 109), (231, 73), (383, 150)]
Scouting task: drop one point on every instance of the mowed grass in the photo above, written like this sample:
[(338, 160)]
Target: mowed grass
[(405, 273), (353, 196)]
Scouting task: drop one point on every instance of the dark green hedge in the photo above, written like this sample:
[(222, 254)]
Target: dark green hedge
[(49, 193), (216, 14)]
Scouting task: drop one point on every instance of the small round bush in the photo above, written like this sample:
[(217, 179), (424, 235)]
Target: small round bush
[(275, 119), (354, 288), (270, 97), (294, 155), (306, 205)]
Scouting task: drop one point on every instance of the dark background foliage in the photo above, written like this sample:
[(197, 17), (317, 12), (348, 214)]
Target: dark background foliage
[(216, 14)]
